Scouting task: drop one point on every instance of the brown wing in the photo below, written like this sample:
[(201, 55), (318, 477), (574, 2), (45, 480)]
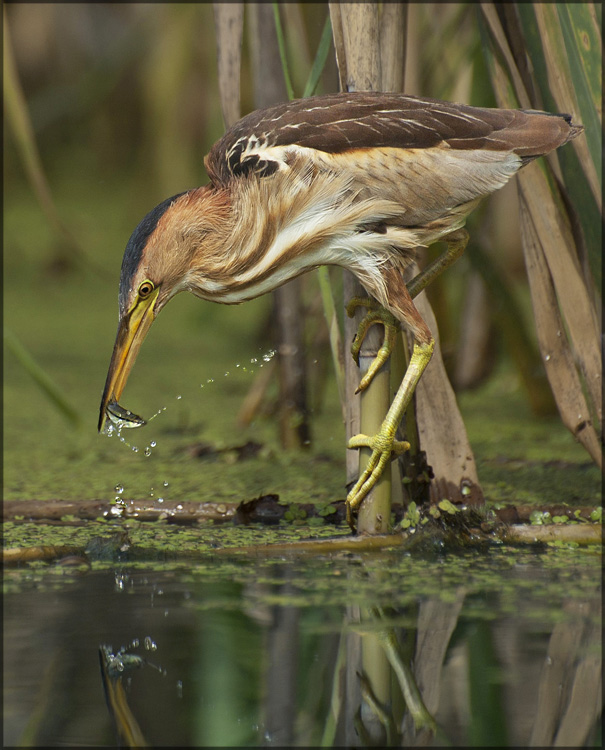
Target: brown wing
[(339, 122)]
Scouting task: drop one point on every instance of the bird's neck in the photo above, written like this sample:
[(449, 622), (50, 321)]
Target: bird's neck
[(270, 230)]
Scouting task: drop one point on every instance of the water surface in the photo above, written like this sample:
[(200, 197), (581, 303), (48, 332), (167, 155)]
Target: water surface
[(253, 650)]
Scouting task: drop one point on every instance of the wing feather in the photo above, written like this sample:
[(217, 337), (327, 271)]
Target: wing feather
[(336, 123)]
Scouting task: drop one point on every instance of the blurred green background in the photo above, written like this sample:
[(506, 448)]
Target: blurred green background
[(124, 105)]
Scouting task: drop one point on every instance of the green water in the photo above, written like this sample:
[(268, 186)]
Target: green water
[(68, 323), (241, 636), (250, 651)]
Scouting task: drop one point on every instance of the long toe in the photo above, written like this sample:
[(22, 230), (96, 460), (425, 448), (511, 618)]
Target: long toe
[(375, 314), (384, 448)]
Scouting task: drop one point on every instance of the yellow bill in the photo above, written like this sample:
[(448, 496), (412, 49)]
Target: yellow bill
[(132, 330)]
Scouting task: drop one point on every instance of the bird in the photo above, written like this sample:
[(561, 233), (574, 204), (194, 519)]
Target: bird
[(359, 180)]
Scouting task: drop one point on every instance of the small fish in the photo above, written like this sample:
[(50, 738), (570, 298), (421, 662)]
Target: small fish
[(122, 417), (119, 663)]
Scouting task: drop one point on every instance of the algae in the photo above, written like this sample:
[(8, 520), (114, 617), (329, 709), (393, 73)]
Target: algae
[(535, 580), (193, 372), (68, 323)]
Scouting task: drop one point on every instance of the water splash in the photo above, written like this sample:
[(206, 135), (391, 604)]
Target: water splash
[(115, 425)]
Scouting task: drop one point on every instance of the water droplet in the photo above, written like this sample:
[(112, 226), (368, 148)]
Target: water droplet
[(210, 380), (165, 484), (178, 398), (150, 644), (253, 361), (119, 488), (227, 373), (160, 499), (148, 451), (153, 443), (135, 643), (135, 449), (547, 358), (179, 688)]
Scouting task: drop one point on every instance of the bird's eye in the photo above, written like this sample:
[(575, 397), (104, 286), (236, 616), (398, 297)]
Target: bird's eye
[(145, 289)]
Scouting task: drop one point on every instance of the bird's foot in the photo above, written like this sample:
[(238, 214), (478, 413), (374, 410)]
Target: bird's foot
[(384, 448), (375, 314)]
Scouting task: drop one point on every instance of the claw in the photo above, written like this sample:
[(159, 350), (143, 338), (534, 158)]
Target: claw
[(355, 302), (365, 324), (390, 334), (384, 448), (375, 314)]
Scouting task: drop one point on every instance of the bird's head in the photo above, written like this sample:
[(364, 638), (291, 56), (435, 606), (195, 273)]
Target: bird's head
[(164, 256)]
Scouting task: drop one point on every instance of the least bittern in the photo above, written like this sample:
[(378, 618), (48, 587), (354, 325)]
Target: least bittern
[(357, 180)]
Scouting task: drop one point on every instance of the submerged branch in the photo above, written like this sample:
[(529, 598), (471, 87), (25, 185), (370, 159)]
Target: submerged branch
[(17, 555), (322, 546), (444, 527), (581, 533)]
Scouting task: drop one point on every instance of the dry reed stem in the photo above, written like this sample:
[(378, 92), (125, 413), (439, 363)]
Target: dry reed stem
[(229, 26)]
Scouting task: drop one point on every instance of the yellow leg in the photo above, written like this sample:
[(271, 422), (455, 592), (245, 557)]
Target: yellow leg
[(383, 445), (376, 314), (456, 243)]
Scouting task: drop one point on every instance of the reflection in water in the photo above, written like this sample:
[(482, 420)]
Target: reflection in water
[(346, 651), (114, 667)]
